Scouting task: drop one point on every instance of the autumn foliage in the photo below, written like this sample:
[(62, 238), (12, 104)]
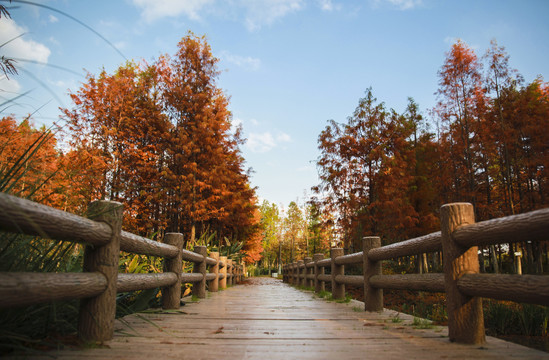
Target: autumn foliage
[(387, 174), (155, 137)]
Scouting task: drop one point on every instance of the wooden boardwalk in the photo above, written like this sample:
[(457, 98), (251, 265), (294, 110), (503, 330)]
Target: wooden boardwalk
[(266, 319)]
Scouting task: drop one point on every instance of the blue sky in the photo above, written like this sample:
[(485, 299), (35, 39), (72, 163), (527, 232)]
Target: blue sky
[(288, 66)]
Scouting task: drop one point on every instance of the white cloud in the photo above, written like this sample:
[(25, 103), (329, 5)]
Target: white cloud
[(328, 5), (283, 137), (258, 13), (235, 123), (401, 4), (8, 87), (246, 62), (21, 47), (265, 12), (157, 9), (53, 19), (263, 142)]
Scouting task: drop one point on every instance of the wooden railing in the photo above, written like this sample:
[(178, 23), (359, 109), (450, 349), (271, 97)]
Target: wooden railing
[(461, 281), (100, 281)]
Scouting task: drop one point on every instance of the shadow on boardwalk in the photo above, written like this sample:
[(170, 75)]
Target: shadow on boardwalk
[(266, 319)]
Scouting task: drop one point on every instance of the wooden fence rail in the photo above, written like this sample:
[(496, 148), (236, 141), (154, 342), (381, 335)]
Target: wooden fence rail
[(100, 281), (458, 240)]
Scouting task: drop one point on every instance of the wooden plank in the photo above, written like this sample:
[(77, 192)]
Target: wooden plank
[(267, 319)]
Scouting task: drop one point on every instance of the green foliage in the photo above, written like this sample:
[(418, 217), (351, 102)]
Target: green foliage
[(508, 318), (324, 294), (345, 300), (420, 323), (395, 318)]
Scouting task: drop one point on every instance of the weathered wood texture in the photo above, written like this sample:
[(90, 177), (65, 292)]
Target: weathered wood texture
[(420, 245), (223, 274), (210, 261), (324, 277), (532, 289), (21, 289), (419, 282), (96, 314), (309, 277), (214, 284), (352, 280), (465, 317), (317, 271), (139, 245), (266, 319), (134, 282), (338, 289), (531, 226), (192, 256), (21, 215), (171, 295), (199, 288), (191, 277), (373, 297), (325, 263), (354, 258)]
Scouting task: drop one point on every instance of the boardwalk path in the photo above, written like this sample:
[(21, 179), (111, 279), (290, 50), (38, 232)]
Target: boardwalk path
[(267, 319)]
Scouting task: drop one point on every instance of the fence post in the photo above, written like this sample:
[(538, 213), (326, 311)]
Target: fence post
[(319, 285), (295, 273), (308, 272), (199, 288), (373, 297), (338, 290), (465, 317), (292, 274), (230, 272), (223, 282), (96, 314), (300, 273), (171, 295), (214, 284)]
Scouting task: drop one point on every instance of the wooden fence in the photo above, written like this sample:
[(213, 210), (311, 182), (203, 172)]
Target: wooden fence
[(461, 281), (100, 281)]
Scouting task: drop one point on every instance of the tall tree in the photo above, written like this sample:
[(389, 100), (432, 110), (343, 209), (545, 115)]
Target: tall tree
[(461, 96), (118, 138), (197, 109)]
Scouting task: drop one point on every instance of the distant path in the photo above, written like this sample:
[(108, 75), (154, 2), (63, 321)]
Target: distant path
[(266, 319)]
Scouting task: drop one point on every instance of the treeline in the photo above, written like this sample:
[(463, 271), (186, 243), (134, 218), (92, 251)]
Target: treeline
[(155, 137), (293, 233), (387, 174)]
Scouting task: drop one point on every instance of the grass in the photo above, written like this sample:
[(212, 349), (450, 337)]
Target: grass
[(357, 309), (419, 323), (323, 294), (395, 318)]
